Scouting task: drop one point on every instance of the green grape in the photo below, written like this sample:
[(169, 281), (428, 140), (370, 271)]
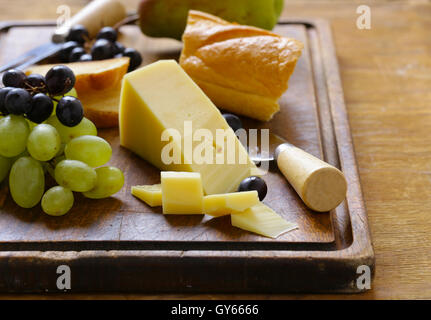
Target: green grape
[(57, 201), (14, 131), (110, 180), (75, 175), (72, 93), (26, 182), (85, 127), (5, 165), (92, 150), (43, 142)]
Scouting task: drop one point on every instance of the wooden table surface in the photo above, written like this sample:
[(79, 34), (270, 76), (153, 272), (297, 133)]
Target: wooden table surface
[(386, 75)]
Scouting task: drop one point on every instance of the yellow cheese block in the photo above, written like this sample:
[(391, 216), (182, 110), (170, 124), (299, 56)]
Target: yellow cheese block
[(262, 220), (150, 194), (223, 204), (182, 192), (162, 96)]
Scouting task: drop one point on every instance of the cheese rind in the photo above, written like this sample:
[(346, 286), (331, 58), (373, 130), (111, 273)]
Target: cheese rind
[(150, 194), (223, 204), (182, 192), (262, 220), (162, 96)]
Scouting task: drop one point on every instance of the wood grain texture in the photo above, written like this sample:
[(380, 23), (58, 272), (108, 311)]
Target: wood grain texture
[(310, 258), (321, 255), (385, 73), (125, 218)]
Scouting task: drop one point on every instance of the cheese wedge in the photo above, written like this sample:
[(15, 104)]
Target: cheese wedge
[(223, 204), (182, 192), (150, 194), (262, 220), (160, 97)]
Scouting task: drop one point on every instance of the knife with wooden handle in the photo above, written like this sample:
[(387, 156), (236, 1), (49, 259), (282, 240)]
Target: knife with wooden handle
[(320, 185), (94, 16)]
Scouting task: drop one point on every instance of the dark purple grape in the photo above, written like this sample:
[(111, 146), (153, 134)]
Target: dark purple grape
[(3, 93), (135, 58), (118, 48), (66, 49), (69, 111), (233, 121), (35, 83), (86, 57), (59, 80), (18, 101), (76, 54), (14, 78), (41, 108), (102, 49), (107, 33), (78, 33), (254, 183)]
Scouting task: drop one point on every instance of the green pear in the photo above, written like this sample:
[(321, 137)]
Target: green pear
[(278, 6), (168, 18)]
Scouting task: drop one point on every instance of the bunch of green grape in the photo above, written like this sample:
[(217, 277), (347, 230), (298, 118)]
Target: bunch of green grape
[(72, 155)]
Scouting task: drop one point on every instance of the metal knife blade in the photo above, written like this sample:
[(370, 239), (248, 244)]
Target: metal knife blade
[(263, 147), (96, 14), (33, 56)]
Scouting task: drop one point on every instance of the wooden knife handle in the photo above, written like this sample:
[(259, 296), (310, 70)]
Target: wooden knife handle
[(321, 186), (94, 16)]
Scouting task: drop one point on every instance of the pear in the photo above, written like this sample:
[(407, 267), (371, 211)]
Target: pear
[(168, 18)]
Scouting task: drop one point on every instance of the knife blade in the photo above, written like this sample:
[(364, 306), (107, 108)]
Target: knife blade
[(32, 57), (94, 16), (321, 186)]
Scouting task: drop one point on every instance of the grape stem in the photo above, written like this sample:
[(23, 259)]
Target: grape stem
[(34, 90)]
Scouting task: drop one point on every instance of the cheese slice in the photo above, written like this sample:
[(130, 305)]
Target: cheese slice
[(262, 220), (160, 97), (150, 194), (182, 192), (223, 204)]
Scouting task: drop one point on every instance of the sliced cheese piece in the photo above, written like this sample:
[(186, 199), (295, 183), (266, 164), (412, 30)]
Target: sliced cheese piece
[(239, 201), (223, 204), (182, 192), (150, 194), (161, 96), (262, 220), (215, 205)]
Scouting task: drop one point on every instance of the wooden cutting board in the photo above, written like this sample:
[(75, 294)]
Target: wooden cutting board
[(121, 244)]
